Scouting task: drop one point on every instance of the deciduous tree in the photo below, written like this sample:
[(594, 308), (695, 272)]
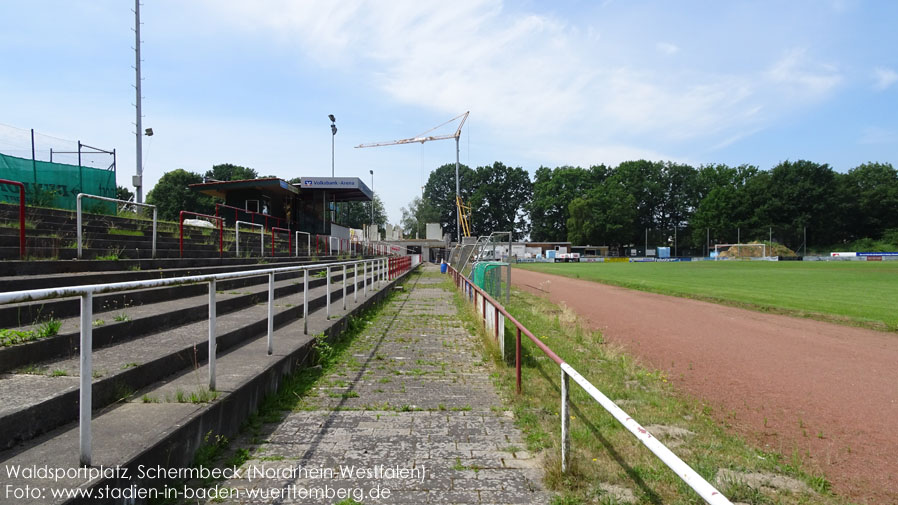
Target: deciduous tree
[(171, 195)]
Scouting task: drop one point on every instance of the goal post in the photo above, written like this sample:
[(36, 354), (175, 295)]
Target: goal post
[(739, 251)]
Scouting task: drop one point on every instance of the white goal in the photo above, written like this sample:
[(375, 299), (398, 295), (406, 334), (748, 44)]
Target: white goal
[(739, 251)]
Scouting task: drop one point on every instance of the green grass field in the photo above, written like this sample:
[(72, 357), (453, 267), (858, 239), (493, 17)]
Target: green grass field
[(856, 293)]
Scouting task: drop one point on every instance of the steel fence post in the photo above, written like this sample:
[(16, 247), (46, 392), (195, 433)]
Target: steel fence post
[(328, 297), (344, 286), (517, 361), (85, 393), (271, 312), (565, 422), (305, 301), (212, 339), (77, 222)]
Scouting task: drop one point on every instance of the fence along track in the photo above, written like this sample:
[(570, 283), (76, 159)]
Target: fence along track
[(493, 321)]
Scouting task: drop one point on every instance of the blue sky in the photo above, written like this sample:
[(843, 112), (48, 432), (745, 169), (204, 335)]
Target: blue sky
[(547, 83)]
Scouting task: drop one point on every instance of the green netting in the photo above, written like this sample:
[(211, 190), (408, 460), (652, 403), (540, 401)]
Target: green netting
[(57, 184), (487, 275)]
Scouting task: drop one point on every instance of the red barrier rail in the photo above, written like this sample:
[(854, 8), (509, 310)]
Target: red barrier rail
[(289, 239), (21, 214), (397, 266), (680, 468), (181, 230), (252, 214), (469, 289)]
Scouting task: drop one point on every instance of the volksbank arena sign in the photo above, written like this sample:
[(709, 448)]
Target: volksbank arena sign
[(339, 183)]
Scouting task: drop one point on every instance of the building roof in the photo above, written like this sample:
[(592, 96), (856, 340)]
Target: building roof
[(221, 188), (345, 189)]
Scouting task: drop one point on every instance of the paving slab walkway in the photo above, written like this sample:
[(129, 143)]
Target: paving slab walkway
[(409, 415)]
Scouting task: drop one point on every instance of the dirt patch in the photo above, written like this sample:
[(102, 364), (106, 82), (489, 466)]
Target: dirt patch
[(619, 494), (752, 251), (761, 481), (790, 385), (672, 436)]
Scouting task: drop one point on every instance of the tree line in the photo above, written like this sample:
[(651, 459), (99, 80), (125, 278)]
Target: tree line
[(673, 204)]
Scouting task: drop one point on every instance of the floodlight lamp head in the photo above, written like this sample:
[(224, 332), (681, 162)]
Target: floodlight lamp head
[(148, 132), (332, 118), (333, 129)]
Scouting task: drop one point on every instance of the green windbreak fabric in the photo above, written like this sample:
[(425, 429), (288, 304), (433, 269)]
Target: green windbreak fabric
[(487, 275), (58, 184)]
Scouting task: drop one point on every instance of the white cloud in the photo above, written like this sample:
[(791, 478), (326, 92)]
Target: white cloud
[(525, 72), (802, 77), (884, 78), (667, 48)]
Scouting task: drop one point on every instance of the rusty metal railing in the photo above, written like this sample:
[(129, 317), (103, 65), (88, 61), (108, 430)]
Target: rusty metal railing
[(194, 214)]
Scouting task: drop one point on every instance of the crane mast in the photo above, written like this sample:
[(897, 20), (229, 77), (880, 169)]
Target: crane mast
[(461, 215)]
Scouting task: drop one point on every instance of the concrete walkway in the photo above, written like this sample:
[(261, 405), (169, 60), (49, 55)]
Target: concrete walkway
[(408, 416)]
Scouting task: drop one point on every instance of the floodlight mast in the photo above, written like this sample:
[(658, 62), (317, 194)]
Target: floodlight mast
[(422, 138)]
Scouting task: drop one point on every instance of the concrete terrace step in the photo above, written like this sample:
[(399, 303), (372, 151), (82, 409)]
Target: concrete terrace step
[(130, 362), (167, 433), (51, 233), (14, 315), (40, 274), (146, 310)]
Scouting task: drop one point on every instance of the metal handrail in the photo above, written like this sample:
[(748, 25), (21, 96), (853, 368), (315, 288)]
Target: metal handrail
[(22, 215), (86, 292), (308, 242), (289, 239), (207, 216), (107, 199), (237, 237), (701, 486)]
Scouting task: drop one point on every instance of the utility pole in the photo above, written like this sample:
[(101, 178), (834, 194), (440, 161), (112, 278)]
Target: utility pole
[(139, 133)]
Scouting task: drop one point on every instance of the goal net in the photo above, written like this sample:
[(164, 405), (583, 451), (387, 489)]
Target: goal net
[(740, 251)]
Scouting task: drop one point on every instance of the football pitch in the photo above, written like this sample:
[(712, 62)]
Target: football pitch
[(860, 293)]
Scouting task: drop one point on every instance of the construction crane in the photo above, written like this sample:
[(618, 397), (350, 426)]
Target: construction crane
[(424, 137)]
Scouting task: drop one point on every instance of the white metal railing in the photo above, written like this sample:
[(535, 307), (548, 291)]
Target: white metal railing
[(106, 199), (494, 321), (308, 242), (261, 236), (86, 293)]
